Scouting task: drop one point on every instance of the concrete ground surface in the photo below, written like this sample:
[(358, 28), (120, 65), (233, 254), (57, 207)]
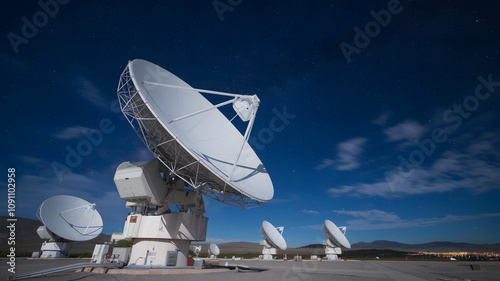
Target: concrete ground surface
[(284, 270)]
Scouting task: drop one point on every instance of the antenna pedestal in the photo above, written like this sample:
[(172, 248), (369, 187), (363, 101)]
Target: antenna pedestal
[(162, 240), (150, 252), (267, 251), (55, 249), (161, 236), (331, 250)]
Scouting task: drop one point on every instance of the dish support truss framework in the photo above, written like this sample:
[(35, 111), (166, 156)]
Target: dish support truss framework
[(170, 152)]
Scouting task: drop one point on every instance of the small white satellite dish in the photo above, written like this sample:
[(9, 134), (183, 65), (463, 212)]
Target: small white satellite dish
[(197, 250), (214, 249), (272, 235), (335, 235), (70, 217), (273, 238)]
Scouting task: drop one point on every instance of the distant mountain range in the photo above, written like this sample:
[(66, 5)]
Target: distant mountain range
[(27, 240), (441, 246)]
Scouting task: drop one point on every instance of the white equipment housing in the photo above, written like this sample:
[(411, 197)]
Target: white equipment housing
[(331, 250), (55, 249), (44, 233), (120, 254), (140, 182), (161, 237), (268, 251), (99, 254)]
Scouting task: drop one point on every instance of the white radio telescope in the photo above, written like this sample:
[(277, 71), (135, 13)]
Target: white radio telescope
[(213, 251), (198, 151), (197, 250), (66, 219), (273, 238), (335, 239)]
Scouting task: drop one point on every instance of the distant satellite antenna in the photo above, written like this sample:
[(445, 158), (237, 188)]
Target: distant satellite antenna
[(273, 238), (213, 251), (197, 250), (66, 218), (335, 240), (198, 152)]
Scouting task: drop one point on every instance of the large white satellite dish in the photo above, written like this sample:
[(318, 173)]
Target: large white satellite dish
[(198, 152), (191, 137), (70, 217), (335, 240)]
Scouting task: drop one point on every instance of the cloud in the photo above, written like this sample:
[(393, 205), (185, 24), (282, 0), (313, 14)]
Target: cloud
[(347, 156), (472, 166), (286, 197), (32, 160), (74, 132), (309, 212), (370, 215), (312, 226), (90, 92), (409, 130), (382, 119), (325, 164), (377, 219), (219, 240)]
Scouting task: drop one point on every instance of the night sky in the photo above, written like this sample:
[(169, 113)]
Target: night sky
[(388, 111)]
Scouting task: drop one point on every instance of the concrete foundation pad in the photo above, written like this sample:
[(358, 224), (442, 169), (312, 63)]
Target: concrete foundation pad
[(164, 271)]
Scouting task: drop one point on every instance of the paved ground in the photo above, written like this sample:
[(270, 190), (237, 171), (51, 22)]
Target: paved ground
[(287, 271)]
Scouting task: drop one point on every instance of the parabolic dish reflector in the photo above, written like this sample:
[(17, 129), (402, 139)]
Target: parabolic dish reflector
[(197, 249), (214, 249), (272, 236), (70, 217), (335, 235), (201, 149)]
